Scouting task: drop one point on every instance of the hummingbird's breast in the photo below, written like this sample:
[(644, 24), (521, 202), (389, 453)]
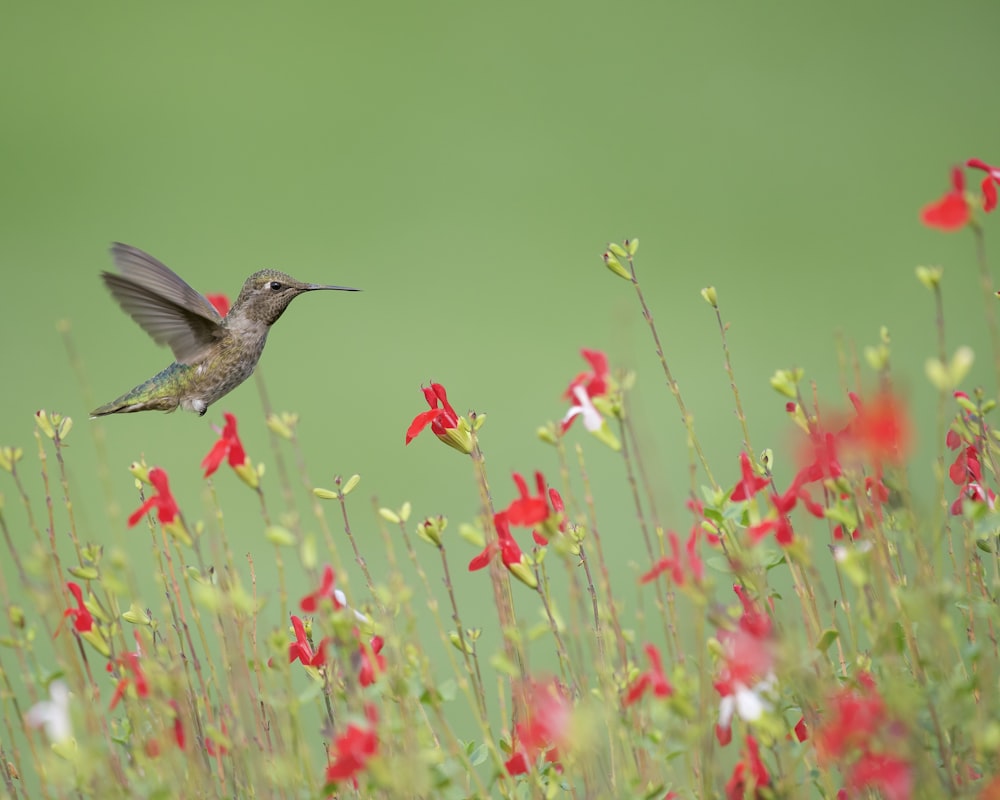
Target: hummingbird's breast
[(225, 368)]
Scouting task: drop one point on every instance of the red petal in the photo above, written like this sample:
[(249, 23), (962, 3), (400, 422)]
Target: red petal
[(421, 421), (950, 213), (989, 194), (210, 463)]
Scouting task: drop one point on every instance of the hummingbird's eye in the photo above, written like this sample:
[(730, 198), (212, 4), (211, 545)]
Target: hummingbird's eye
[(275, 286)]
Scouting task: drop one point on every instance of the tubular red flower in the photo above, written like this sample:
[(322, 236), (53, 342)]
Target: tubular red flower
[(163, 501), (83, 620), (353, 749), (951, 212), (750, 483), (228, 446), (989, 184), (310, 602)]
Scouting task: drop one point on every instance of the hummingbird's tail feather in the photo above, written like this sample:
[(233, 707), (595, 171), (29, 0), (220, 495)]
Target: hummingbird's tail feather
[(126, 405), (159, 393)]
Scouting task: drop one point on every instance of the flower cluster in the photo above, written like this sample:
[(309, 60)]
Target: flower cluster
[(859, 730)]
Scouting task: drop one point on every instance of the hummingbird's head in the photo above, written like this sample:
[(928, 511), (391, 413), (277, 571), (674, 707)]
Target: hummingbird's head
[(266, 294)]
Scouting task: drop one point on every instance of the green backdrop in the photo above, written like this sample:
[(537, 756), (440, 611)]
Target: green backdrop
[(465, 164)]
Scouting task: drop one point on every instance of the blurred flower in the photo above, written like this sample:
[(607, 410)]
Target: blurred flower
[(750, 483), (372, 662), (746, 679), (83, 620), (163, 501), (951, 212), (352, 750), (219, 302), (52, 714), (748, 774), (594, 382), (546, 729), (675, 562), (881, 427), (653, 678), (989, 184), (129, 663), (310, 602)]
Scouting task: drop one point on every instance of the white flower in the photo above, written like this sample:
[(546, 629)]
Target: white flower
[(749, 703), (52, 714), (592, 419)]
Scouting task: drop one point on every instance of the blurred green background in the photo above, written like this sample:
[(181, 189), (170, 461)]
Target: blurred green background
[(466, 164)]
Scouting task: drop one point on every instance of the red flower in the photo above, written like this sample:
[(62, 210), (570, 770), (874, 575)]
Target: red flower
[(782, 528), (891, 775), (856, 716), (653, 678), (951, 212), (527, 510), (179, 736), (674, 563), (228, 444), (310, 602), (741, 781), (989, 184), (505, 544), (594, 382), (129, 662), (444, 422), (881, 428), (213, 747), (584, 388), (545, 730), (163, 501), (301, 650), (220, 302), (371, 669), (746, 677), (83, 620), (352, 750), (750, 483)]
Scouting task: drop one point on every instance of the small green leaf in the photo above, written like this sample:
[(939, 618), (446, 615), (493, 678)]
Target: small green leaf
[(830, 635)]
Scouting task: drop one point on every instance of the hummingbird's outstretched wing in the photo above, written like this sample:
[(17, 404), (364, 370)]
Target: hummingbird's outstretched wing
[(165, 307)]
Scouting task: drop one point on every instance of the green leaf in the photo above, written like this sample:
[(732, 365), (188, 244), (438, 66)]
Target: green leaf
[(829, 636)]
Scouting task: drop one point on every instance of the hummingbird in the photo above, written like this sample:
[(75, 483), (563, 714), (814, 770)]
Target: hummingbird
[(214, 354)]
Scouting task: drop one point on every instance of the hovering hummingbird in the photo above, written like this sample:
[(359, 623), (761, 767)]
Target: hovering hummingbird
[(214, 354)]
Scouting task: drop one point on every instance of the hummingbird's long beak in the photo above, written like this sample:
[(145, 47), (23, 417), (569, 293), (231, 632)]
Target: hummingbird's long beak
[(312, 287)]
